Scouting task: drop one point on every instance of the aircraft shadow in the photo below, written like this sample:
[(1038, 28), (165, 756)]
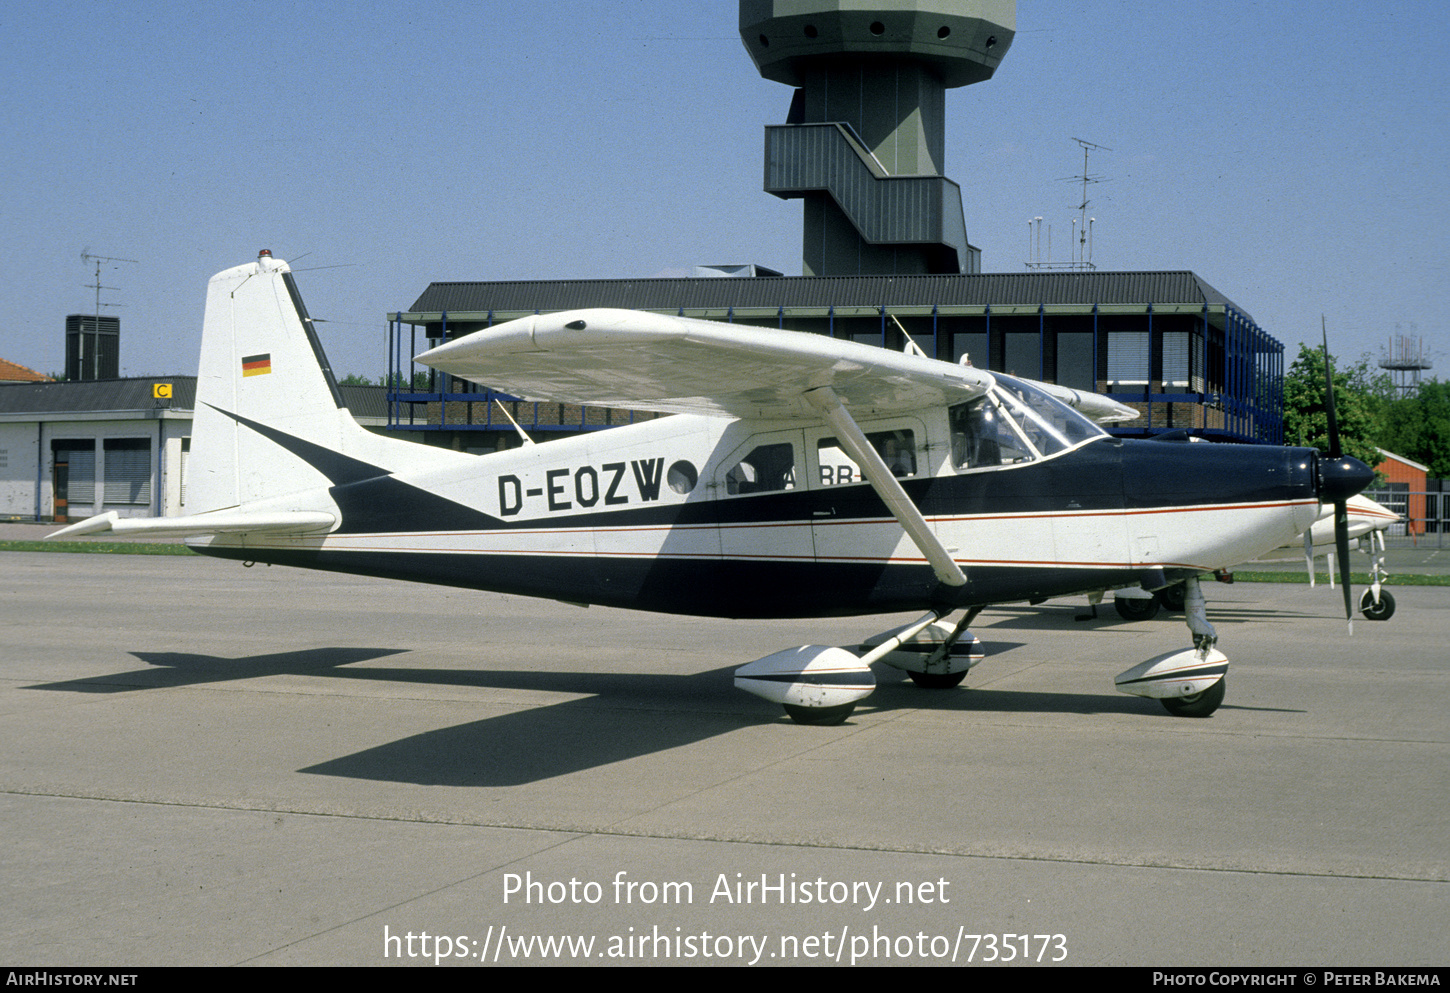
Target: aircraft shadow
[(627, 717), (622, 716), (170, 670), (1059, 618)]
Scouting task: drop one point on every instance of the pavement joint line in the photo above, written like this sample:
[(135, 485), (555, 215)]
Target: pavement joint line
[(423, 894), (582, 832)]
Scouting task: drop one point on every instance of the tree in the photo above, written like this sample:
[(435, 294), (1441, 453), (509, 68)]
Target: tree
[(420, 380), (1306, 421), (1418, 427)]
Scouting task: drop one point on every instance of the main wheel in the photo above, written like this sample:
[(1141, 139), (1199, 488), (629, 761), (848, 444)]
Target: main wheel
[(1131, 609), (819, 716), (1172, 597), (1381, 611), (937, 680), (1199, 704)]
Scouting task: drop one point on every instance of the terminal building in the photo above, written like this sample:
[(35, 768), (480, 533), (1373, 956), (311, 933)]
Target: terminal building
[(1166, 343), (885, 253)]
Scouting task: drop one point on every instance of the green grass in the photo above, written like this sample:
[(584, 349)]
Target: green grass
[(100, 547), (1357, 578)]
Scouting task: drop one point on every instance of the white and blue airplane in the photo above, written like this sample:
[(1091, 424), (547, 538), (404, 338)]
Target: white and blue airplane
[(801, 477)]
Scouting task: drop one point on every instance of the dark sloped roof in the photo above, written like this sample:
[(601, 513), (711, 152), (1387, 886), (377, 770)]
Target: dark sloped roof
[(95, 395), (995, 289), (100, 395), (365, 401)]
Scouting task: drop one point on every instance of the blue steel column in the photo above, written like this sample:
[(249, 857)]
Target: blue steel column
[(1042, 343), (1153, 352)]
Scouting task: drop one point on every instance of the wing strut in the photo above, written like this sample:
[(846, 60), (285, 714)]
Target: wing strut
[(884, 483)]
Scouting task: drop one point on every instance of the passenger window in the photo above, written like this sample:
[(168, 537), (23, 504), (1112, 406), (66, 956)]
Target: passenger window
[(982, 438), (767, 468), (896, 448)]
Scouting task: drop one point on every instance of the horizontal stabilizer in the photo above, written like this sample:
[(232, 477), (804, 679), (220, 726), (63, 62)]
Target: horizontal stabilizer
[(218, 522)]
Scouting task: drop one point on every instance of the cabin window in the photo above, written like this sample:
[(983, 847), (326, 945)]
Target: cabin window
[(768, 468), (982, 437), (896, 448), (1048, 423)]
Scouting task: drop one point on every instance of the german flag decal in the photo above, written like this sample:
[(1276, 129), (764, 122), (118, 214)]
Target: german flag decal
[(256, 365)]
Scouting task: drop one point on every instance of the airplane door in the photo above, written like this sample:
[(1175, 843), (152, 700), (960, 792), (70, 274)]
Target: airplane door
[(760, 501), (848, 519)]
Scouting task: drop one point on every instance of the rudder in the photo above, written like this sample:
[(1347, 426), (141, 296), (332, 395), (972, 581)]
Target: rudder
[(269, 417)]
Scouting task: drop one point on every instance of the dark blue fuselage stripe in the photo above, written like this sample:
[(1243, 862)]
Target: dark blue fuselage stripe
[(1217, 669)]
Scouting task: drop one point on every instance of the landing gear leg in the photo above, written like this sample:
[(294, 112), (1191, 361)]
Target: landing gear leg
[(931, 678), (1376, 604), (1195, 610), (1204, 638)]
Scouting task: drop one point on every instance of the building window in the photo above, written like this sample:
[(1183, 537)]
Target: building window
[(81, 477), (1177, 358), (1075, 361), (1128, 358), (1022, 354), (972, 344), (185, 458), (128, 470)]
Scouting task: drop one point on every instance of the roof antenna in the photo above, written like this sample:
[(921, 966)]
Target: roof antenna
[(522, 434), (912, 348)]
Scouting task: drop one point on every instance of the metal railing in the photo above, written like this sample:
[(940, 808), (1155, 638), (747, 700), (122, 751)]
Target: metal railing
[(1425, 517)]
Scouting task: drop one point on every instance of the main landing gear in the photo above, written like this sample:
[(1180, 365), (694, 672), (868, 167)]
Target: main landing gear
[(821, 684), (1191, 682)]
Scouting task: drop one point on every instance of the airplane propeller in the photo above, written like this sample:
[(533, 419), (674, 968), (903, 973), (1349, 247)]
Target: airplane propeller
[(1340, 477)]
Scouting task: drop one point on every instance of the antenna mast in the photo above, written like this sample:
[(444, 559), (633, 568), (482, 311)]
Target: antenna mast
[(1406, 360), (88, 258), (1082, 238)]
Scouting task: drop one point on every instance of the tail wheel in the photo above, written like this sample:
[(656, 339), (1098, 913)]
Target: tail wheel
[(1198, 704), (1381, 611)]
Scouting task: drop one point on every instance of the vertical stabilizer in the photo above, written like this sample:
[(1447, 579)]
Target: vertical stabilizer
[(269, 417)]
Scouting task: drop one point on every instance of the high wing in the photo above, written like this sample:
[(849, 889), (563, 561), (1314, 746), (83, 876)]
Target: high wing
[(634, 359), (680, 365), (1094, 406)]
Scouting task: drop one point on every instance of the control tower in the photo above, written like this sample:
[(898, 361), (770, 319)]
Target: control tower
[(864, 140)]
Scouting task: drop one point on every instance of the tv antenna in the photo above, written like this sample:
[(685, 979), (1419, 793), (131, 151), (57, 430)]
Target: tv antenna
[(1082, 236), (88, 258)]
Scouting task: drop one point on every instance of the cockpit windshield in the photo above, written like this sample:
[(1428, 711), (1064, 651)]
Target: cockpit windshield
[(1057, 424), (1015, 422)]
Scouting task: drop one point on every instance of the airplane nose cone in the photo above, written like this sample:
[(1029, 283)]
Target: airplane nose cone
[(1342, 478)]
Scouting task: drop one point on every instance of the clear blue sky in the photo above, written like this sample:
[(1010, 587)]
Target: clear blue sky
[(1293, 155)]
